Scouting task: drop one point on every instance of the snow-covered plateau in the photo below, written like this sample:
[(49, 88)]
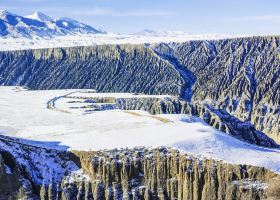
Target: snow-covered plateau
[(10, 43), (70, 119)]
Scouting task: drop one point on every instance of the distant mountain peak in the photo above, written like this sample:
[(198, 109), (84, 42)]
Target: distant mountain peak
[(4, 13), (39, 16), (39, 25)]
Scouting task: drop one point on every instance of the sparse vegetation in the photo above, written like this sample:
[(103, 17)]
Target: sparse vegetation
[(164, 120), (273, 192), (132, 113), (104, 99)]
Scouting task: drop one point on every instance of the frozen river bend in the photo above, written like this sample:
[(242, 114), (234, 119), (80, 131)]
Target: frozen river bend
[(85, 120)]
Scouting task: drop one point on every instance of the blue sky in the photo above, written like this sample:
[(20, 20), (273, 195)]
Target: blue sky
[(192, 16)]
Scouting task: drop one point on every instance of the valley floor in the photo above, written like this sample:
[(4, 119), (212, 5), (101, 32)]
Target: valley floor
[(64, 119)]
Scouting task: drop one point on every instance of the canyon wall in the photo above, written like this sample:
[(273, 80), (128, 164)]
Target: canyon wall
[(31, 172), (240, 76)]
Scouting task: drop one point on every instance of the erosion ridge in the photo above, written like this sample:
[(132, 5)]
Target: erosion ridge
[(137, 173), (240, 76)]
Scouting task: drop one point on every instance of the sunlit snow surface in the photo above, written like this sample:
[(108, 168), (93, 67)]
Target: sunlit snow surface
[(101, 39), (28, 115)]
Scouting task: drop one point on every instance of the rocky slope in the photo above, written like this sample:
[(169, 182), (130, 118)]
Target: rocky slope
[(104, 68), (123, 174), (240, 76)]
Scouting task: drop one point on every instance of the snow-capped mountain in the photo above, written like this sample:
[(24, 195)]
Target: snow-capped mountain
[(41, 31), (39, 16), (40, 25)]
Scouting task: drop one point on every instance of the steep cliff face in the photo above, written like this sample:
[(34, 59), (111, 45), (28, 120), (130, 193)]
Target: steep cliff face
[(240, 75), (13, 184), (167, 174), (104, 68), (137, 173)]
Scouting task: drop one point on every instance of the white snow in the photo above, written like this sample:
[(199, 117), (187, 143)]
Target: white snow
[(7, 169), (248, 184), (20, 43), (39, 16), (4, 13), (18, 28), (24, 114), (43, 165), (115, 95), (65, 23)]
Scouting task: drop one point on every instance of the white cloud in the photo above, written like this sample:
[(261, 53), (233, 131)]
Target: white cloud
[(270, 18)]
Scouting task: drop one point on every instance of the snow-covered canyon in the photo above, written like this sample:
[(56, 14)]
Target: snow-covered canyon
[(69, 123)]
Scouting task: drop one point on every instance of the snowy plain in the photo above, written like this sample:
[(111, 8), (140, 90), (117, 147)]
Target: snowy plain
[(21, 43), (25, 115)]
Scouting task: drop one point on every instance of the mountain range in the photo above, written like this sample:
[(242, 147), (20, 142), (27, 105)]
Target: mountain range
[(40, 25), (39, 30)]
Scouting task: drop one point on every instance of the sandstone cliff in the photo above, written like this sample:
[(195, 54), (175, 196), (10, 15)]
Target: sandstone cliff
[(30, 172)]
